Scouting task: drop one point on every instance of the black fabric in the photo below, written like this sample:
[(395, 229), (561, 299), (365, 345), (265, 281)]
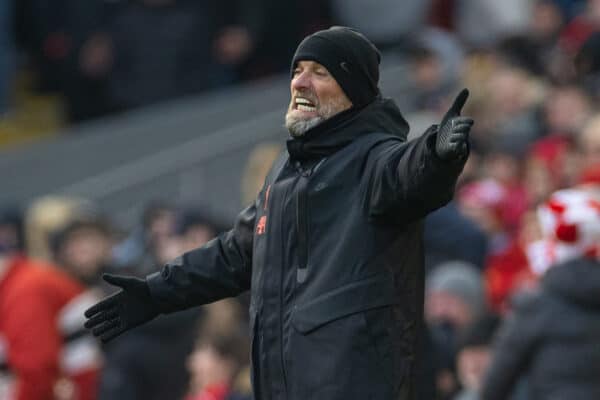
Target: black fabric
[(341, 226), (580, 286), (349, 56), (382, 115), (553, 338), (446, 232)]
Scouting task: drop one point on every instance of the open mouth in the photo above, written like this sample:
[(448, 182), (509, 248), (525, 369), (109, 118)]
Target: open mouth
[(303, 104)]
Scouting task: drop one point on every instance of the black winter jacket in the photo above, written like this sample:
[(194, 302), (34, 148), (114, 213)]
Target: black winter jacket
[(553, 338), (332, 253)]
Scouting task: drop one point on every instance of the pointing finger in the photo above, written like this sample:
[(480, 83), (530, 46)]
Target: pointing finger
[(457, 106)]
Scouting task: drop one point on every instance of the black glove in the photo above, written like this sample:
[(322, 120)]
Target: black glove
[(122, 311), (453, 135)]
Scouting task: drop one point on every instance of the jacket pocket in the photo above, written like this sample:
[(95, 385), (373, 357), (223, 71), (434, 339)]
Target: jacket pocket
[(331, 353), (366, 294)]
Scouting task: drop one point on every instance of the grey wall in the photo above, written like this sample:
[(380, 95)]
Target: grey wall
[(191, 149)]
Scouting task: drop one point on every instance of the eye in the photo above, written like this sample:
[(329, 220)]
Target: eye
[(296, 72), (321, 72)]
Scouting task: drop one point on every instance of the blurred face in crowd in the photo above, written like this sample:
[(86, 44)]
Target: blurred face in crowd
[(507, 89), (207, 367), (589, 142), (566, 109), (9, 238), (196, 236), (426, 70), (442, 306), (472, 365), (315, 97), (538, 180), (546, 19), (85, 252), (160, 226), (593, 10)]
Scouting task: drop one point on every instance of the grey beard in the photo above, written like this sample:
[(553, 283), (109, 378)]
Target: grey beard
[(298, 127)]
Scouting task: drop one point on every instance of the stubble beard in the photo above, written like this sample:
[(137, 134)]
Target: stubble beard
[(298, 125)]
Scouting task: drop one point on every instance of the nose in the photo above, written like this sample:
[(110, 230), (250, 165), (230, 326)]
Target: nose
[(301, 81)]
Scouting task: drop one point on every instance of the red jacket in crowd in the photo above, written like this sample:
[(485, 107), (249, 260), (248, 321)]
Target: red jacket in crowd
[(43, 347)]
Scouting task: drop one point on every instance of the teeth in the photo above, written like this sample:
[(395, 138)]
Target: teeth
[(303, 107), (302, 100)]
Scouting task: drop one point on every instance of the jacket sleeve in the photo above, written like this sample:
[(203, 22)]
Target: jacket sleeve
[(221, 268), (513, 348), (408, 180)]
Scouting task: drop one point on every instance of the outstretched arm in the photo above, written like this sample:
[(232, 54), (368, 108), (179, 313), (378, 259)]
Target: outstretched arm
[(409, 180), (221, 268)]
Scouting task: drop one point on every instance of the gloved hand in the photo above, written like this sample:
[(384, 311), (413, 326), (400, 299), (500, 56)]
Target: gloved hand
[(123, 310), (453, 134)]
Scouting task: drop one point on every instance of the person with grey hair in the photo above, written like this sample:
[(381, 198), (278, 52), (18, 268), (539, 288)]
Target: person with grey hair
[(331, 249), (454, 298)]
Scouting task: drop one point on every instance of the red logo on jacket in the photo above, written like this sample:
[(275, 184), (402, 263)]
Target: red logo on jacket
[(261, 227)]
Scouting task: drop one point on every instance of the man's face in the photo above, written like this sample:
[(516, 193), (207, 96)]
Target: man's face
[(315, 97)]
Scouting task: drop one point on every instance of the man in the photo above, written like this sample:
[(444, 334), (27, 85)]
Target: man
[(44, 354), (332, 246)]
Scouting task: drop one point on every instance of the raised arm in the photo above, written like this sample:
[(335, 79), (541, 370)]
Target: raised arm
[(409, 180)]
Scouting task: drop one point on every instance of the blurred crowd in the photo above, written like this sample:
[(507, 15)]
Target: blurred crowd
[(51, 261), (108, 56), (512, 307)]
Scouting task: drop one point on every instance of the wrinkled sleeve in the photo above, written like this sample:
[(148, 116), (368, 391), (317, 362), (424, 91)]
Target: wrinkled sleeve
[(221, 268), (407, 180)]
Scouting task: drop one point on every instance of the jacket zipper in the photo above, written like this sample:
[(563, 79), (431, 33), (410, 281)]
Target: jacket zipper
[(281, 331), (301, 215), (302, 218)]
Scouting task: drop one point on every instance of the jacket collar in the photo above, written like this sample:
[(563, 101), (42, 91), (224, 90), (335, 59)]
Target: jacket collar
[(381, 115)]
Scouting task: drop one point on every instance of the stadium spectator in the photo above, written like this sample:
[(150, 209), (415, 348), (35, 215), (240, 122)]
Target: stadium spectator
[(220, 356), (553, 335), (474, 355), (164, 49), (454, 298), (38, 297), (386, 24)]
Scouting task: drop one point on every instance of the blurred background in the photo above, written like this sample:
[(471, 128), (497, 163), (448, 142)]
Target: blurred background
[(131, 131)]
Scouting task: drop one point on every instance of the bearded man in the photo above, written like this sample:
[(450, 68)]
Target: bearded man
[(332, 247)]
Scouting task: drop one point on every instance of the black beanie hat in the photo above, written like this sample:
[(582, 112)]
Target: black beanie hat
[(349, 57)]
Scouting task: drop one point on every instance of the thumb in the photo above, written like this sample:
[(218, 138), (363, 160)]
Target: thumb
[(118, 280), (456, 108)]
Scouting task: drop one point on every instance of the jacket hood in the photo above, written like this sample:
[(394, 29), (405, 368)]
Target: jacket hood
[(382, 116), (578, 281)]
